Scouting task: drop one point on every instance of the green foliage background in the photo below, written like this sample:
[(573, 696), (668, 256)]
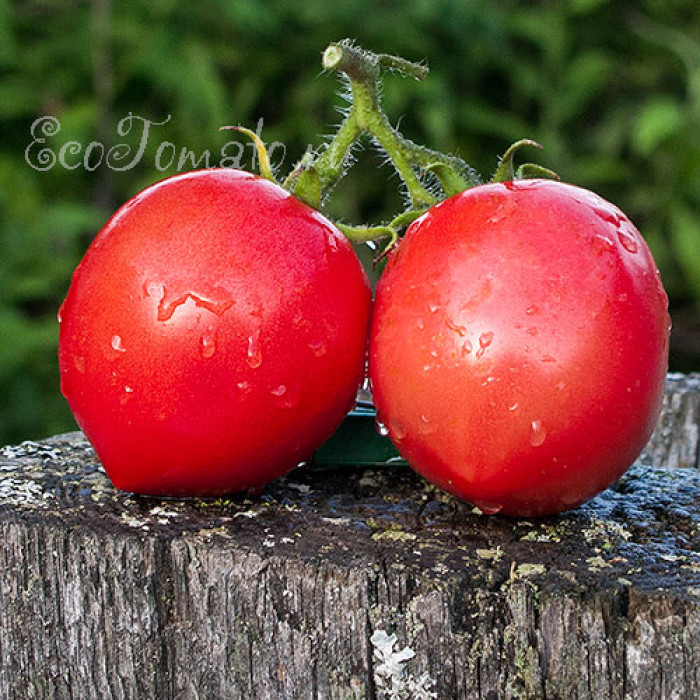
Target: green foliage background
[(611, 89)]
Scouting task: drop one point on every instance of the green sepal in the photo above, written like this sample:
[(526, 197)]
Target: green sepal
[(263, 159), (528, 171), (505, 172), (450, 180)]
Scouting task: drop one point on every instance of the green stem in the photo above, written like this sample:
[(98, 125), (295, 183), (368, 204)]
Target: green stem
[(392, 230), (366, 115), (316, 174), (398, 150), (406, 218), (419, 71), (366, 234), (331, 164), (363, 234), (363, 70)]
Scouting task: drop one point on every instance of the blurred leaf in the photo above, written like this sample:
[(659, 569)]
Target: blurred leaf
[(582, 7), (658, 120), (612, 90), (15, 99), (8, 45), (685, 237), (584, 80)]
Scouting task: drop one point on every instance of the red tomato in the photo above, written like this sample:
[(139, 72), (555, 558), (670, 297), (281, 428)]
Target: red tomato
[(213, 336), (519, 346)]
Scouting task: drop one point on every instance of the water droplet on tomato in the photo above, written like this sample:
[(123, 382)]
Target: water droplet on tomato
[(466, 347), (124, 398), (513, 407), (59, 313), (168, 306), (153, 289), (117, 344), (166, 309), (319, 349), (254, 352), (432, 307), (420, 323), (488, 508), (332, 242), (532, 331), (426, 425), (398, 432), (532, 310), (485, 340), (602, 244), (608, 215), (456, 328), (628, 241), (284, 396), (244, 387), (538, 434), (63, 387), (207, 344)]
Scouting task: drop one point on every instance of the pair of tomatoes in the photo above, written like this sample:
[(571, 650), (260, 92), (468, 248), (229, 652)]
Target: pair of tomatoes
[(215, 334)]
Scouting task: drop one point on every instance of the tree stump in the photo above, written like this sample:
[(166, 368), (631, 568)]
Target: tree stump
[(296, 592)]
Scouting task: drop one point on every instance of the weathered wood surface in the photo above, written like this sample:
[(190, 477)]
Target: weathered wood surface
[(676, 440), (107, 595)]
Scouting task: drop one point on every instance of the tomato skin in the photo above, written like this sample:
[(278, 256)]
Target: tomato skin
[(519, 346), (213, 335)]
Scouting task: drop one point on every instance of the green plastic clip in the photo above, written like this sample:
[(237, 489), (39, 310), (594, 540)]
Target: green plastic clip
[(357, 441)]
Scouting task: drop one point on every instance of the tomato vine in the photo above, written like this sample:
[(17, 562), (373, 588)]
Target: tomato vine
[(428, 176)]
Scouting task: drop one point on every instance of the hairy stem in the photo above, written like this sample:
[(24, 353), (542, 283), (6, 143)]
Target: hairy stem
[(331, 164), (363, 70)]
